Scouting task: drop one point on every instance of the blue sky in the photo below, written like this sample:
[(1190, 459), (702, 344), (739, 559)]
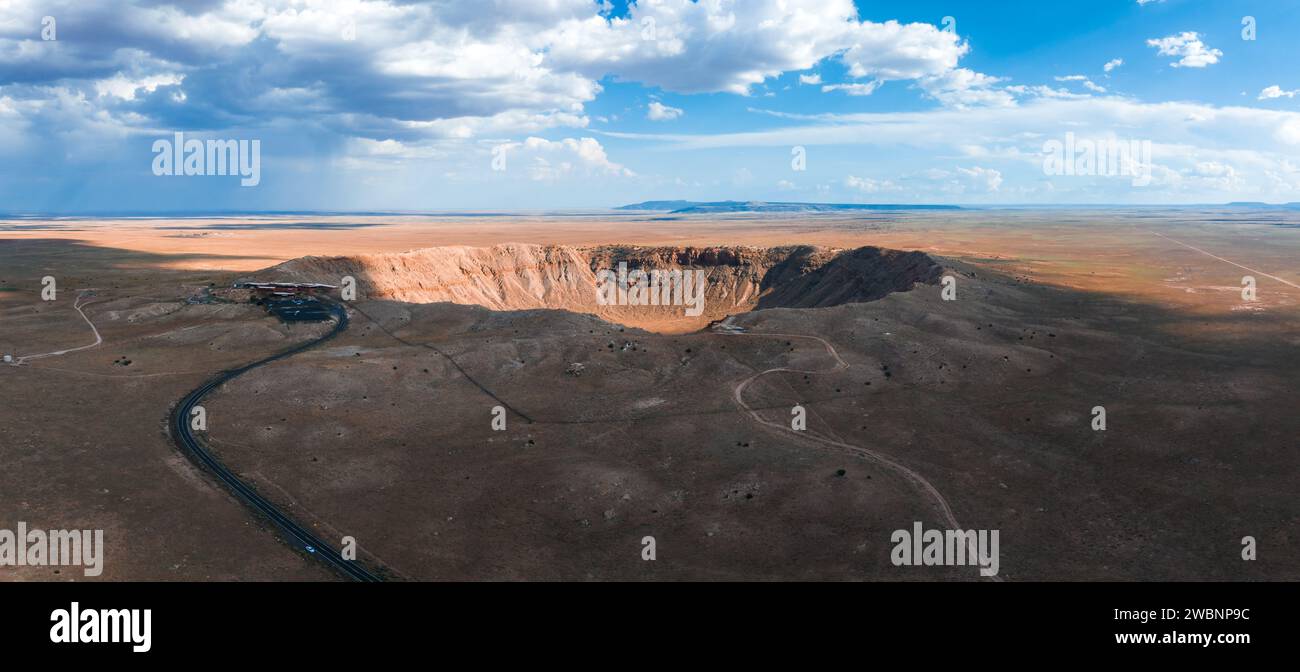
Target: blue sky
[(512, 104)]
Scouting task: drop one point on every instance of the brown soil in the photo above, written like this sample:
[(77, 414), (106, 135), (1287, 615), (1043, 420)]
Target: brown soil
[(385, 433)]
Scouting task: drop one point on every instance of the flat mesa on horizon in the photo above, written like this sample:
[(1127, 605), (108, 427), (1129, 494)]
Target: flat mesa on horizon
[(1265, 206), (687, 207)]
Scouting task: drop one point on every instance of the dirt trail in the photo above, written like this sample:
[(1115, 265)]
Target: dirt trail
[(77, 305), (919, 481)]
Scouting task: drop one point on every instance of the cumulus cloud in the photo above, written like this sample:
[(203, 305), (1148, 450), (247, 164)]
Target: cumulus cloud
[(895, 51), (693, 47), (869, 185), (1276, 91), (391, 69), (369, 84), (554, 159), (385, 81), (374, 69), (987, 179), (963, 88), (660, 112), (121, 86), (1188, 48)]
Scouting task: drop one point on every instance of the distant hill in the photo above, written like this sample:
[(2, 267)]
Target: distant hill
[(689, 207), (657, 205), (1265, 206)]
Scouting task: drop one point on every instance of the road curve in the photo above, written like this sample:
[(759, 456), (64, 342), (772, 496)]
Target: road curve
[(917, 480), (185, 440)]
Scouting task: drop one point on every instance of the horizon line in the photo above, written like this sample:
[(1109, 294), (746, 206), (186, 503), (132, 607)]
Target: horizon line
[(620, 209)]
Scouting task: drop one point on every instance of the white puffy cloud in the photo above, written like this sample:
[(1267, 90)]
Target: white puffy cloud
[(373, 85), (987, 179), (718, 45), (382, 81), (869, 185), (554, 159), (126, 88), (1188, 48), (1276, 91), (964, 88), (659, 112), (455, 68), (893, 51)]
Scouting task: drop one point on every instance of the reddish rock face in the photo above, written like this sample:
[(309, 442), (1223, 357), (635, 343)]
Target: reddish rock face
[(525, 277)]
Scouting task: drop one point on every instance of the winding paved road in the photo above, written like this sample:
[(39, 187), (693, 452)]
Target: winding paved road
[(295, 533), (307, 541)]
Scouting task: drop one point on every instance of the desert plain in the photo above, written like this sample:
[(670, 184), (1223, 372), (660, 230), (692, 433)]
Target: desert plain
[(631, 422)]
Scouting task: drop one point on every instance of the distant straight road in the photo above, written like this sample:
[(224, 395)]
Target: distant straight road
[(1226, 261), (297, 534)]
